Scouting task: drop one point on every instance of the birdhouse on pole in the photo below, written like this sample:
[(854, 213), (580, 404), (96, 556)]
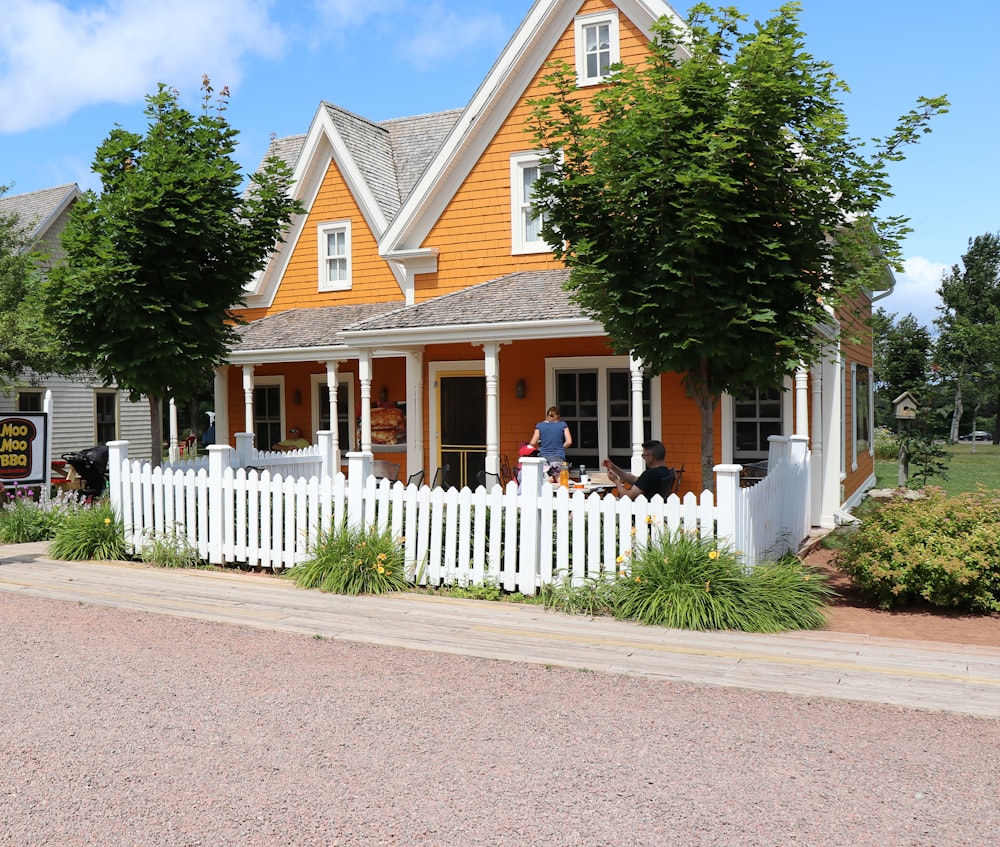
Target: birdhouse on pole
[(905, 408)]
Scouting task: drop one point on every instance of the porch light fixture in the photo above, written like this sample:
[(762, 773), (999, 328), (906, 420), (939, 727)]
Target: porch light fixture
[(520, 389)]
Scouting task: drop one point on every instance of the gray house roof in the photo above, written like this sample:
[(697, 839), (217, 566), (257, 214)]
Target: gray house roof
[(514, 298), (38, 209), (309, 328)]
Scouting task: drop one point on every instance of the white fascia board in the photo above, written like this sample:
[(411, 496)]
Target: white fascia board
[(53, 215), (493, 101), (277, 355), (479, 123), (323, 144), (475, 333)]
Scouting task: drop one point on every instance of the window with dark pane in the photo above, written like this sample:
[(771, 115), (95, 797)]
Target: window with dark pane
[(267, 416)]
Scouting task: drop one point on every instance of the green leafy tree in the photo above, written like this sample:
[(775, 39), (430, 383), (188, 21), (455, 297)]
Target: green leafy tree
[(712, 206), (25, 343), (157, 259), (968, 347), (902, 351)]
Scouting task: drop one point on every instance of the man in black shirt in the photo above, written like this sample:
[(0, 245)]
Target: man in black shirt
[(656, 479)]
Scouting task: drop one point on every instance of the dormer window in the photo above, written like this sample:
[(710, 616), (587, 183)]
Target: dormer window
[(597, 46), (334, 256)]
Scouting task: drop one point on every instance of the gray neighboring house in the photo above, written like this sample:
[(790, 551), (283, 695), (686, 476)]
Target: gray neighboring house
[(84, 411)]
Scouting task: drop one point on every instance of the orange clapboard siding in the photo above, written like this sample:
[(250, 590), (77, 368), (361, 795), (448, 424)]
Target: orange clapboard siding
[(372, 280), (474, 232), (856, 348)]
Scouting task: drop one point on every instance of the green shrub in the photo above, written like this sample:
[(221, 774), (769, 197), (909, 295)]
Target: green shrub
[(886, 445), (170, 550), (353, 561), (24, 519), (90, 532), (943, 550), (594, 597), (686, 582)]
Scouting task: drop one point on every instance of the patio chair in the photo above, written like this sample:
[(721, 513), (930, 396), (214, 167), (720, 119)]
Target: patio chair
[(415, 479), (678, 476), (488, 480), (385, 470), (506, 472), (441, 477)]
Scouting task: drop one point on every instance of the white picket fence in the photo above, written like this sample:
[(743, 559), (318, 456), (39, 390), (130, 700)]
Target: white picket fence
[(517, 540)]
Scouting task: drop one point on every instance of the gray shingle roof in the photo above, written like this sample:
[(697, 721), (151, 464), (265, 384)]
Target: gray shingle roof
[(515, 298), (36, 208), (317, 327), (391, 155), (415, 140)]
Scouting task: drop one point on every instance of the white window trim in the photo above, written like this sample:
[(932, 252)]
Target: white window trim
[(518, 162), (322, 230), (728, 419), (854, 416), (604, 364), (609, 17)]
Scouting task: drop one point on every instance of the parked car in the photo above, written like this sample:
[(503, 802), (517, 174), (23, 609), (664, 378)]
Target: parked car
[(978, 435)]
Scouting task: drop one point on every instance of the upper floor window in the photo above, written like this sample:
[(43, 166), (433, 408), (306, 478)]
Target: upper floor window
[(335, 256), (526, 225), (596, 46)]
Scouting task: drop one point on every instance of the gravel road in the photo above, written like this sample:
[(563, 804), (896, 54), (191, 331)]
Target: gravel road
[(124, 728)]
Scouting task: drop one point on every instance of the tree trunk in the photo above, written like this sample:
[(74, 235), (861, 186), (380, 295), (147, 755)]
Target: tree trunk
[(956, 416), (707, 403), (155, 430)]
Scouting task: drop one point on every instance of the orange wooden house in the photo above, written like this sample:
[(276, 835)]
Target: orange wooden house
[(416, 307)]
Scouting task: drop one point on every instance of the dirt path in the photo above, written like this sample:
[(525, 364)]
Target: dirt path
[(854, 614)]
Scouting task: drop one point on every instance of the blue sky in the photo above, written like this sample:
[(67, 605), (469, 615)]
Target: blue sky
[(72, 69)]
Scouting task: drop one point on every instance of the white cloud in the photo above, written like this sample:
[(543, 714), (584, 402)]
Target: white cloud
[(56, 58), (916, 290), (441, 34)]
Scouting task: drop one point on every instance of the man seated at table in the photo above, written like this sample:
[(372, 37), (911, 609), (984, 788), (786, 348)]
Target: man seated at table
[(656, 478), (295, 441)]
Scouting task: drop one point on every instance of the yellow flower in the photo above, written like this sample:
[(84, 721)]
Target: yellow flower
[(620, 559), (633, 530), (107, 521), (649, 518), (638, 579), (381, 569), (714, 554), (381, 557)]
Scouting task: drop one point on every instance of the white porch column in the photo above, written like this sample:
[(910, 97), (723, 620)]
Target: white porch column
[(365, 378), (220, 392), (414, 411), (491, 351), (248, 400), (833, 436), (635, 373), (818, 447), (331, 386), (802, 401), (174, 450)]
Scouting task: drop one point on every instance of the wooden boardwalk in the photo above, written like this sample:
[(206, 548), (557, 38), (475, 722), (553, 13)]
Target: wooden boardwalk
[(953, 678)]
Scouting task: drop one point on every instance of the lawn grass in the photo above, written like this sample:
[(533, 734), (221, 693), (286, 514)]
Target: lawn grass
[(966, 469)]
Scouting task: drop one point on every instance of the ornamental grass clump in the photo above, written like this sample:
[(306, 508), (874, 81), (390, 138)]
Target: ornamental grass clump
[(93, 531), (941, 550), (353, 560), (683, 581)]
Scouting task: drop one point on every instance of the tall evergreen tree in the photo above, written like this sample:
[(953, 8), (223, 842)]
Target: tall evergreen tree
[(968, 347)]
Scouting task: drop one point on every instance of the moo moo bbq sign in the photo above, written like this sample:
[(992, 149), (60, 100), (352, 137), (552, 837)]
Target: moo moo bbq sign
[(23, 447)]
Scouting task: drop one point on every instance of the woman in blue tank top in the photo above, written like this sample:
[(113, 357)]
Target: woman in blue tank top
[(552, 436)]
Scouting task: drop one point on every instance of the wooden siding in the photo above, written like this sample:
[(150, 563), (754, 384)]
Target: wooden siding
[(371, 279), (73, 423), (856, 348), (474, 232)]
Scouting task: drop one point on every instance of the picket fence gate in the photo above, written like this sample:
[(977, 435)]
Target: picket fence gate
[(516, 539)]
